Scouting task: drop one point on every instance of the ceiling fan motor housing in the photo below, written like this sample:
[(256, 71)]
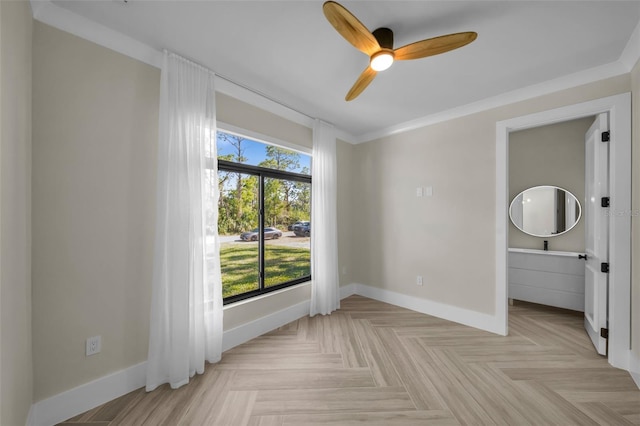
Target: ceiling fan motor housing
[(384, 37)]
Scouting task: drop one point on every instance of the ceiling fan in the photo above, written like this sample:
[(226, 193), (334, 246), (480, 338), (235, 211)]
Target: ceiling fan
[(379, 44)]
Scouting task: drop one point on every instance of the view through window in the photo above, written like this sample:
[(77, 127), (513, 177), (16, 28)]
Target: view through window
[(264, 214)]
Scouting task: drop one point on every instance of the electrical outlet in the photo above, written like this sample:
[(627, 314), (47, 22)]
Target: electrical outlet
[(94, 345), (419, 280)]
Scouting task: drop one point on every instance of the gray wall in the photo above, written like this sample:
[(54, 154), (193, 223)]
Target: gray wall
[(549, 155), (16, 371)]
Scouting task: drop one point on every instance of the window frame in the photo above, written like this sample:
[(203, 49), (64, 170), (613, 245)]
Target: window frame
[(262, 173)]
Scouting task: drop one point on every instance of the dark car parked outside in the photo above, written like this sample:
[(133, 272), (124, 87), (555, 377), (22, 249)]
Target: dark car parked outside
[(290, 227), (303, 229)]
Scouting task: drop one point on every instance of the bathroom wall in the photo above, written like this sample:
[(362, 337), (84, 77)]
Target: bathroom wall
[(549, 155)]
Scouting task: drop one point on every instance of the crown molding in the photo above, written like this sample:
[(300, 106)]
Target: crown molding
[(631, 53), (58, 17), (569, 81), (47, 12)]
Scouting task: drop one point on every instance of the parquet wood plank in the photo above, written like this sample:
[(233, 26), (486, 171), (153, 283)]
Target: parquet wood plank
[(266, 421), (280, 360), (497, 386), (236, 409), (602, 414), (398, 418), (266, 346), (420, 387), (352, 355), (204, 405), (576, 378), (457, 397), (327, 339), (332, 400), (305, 379), (377, 364), (624, 406), (635, 419), (554, 409), (380, 365), (626, 399)]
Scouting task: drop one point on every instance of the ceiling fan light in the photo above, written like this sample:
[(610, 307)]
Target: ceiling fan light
[(381, 61)]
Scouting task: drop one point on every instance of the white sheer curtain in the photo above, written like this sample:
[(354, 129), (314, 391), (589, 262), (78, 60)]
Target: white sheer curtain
[(325, 294), (186, 305)]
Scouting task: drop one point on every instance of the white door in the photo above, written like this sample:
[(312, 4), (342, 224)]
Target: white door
[(597, 232)]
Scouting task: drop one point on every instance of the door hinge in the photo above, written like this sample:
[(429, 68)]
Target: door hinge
[(604, 333), (604, 267), (605, 201), (606, 136)]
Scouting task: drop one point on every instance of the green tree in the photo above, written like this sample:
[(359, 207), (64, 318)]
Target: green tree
[(281, 159), (238, 157), (278, 192)]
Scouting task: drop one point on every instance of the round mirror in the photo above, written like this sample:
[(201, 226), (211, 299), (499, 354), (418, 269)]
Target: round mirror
[(545, 211)]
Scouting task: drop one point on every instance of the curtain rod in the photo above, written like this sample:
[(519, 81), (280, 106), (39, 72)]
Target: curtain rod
[(257, 92)]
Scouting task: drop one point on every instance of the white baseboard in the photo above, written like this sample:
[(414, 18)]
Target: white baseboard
[(348, 290), (75, 401), (85, 397), (636, 378), (451, 313), (634, 368), (245, 332), (31, 416), (90, 395)]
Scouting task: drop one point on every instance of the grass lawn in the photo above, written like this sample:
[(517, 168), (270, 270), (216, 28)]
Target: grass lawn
[(239, 265)]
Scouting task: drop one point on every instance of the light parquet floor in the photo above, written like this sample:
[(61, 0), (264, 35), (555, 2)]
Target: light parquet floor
[(377, 364)]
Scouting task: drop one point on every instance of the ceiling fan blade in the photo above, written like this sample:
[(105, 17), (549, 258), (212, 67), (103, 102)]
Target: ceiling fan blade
[(434, 46), (350, 28), (363, 81)]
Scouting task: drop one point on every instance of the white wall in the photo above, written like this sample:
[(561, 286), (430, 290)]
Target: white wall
[(16, 369), (448, 238), (549, 155), (347, 240), (95, 118)]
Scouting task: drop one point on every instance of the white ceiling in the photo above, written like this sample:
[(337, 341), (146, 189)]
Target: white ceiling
[(288, 51)]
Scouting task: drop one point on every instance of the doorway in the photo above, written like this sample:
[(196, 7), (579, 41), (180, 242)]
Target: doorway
[(618, 108)]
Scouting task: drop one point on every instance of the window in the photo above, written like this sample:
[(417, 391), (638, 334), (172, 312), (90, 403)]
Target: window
[(263, 216)]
